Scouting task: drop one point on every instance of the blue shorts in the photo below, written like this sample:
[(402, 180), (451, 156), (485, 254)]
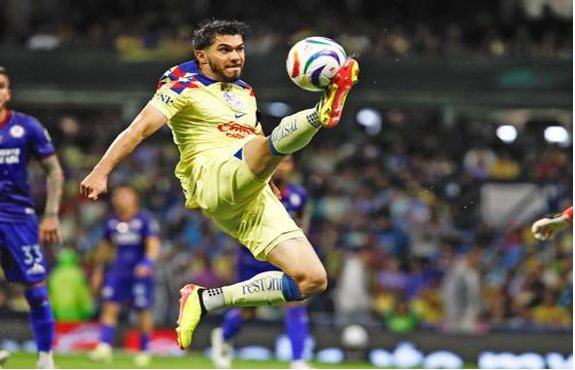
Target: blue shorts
[(21, 256), (138, 291), (249, 266)]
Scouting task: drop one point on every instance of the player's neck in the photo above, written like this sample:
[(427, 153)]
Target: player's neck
[(127, 215), (4, 116)]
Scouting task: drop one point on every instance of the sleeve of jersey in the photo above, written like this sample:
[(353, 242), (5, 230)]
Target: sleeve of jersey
[(42, 146), (169, 98), (569, 213)]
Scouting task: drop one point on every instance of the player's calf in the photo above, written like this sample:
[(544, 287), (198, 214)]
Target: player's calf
[(42, 323)]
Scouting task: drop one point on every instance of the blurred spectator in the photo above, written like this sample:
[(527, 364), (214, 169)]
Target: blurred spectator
[(69, 289), (461, 292), (352, 298), (401, 320)]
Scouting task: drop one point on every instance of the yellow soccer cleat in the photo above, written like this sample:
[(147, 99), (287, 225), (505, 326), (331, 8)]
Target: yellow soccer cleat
[(191, 311), (331, 105)]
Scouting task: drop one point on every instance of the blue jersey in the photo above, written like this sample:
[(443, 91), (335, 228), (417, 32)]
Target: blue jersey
[(21, 136), (294, 198), (128, 237)]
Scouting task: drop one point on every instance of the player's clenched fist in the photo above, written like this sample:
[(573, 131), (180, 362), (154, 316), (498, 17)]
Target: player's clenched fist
[(94, 185), (545, 228)]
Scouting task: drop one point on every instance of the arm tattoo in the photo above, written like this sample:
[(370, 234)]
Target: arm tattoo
[(54, 184)]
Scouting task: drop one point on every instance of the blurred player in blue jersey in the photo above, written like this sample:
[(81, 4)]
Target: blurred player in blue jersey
[(130, 248), (22, 258), (294, 199)]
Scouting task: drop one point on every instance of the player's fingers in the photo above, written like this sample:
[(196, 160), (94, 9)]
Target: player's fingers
[(93, 195), (42, 237), (58, 237), (49, 237)]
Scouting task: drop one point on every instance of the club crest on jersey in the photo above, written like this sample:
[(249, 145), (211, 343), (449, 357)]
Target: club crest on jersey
[(233, 100), (17, 131)]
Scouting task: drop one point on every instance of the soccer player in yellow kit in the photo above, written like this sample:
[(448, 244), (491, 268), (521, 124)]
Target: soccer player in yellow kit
[(225, 165)]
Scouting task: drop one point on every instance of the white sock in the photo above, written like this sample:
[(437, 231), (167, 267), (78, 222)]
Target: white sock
[(45, 360), (294, 132), (213, 299), (262, 289)]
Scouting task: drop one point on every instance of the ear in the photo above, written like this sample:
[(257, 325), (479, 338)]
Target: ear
[(201, 56), (9, 97)]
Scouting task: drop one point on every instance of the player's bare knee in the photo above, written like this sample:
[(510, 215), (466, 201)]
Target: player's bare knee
[(313, 282)]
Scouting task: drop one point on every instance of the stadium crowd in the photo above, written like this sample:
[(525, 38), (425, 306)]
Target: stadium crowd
[(395, 217), (146, 30)]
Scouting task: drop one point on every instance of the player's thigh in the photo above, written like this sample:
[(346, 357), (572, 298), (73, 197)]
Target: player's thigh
[(23, 259), (297, 258), (262, 225), (259, 158), (224, 185)]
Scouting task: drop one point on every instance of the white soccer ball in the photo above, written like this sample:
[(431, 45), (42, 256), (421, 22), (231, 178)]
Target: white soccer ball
[(354, 337), (313, 61)]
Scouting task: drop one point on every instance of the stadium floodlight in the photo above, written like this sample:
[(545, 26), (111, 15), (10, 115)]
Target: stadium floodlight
[(556, 135), (506, 133), (370, 119)]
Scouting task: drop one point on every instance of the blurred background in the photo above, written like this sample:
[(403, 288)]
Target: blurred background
[(458, 136)]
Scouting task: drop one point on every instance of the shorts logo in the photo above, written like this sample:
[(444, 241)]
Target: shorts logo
[(233, 100), (17, 131)]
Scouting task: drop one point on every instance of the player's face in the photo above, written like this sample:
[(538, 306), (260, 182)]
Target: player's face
[(125, 200), (5, 94), (225, 58)]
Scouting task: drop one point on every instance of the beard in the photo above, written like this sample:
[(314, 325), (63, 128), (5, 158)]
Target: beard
[(221, 73)]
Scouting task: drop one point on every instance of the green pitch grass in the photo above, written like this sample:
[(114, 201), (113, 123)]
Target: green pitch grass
[(191, 361)]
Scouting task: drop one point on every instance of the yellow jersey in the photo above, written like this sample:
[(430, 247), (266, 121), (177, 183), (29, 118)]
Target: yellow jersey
[(204, 115)]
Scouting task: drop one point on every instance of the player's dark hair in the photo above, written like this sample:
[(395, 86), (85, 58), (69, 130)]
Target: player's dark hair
[(3, 71), (205, 34)]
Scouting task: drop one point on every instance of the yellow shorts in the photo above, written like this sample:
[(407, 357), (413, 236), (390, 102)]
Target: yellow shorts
[(240, 204)]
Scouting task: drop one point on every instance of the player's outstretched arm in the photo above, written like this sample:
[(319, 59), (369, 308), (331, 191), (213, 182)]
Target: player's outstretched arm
[(545, 228), (145, 124), (50, 225)]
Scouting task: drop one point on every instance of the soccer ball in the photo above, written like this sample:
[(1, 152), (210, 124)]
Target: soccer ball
[(354, 337), (313, 61)]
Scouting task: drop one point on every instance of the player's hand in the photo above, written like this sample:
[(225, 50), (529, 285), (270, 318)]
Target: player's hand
[(94, 185), (142, 271), (50, 231), (144, 268), (545, 228)]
